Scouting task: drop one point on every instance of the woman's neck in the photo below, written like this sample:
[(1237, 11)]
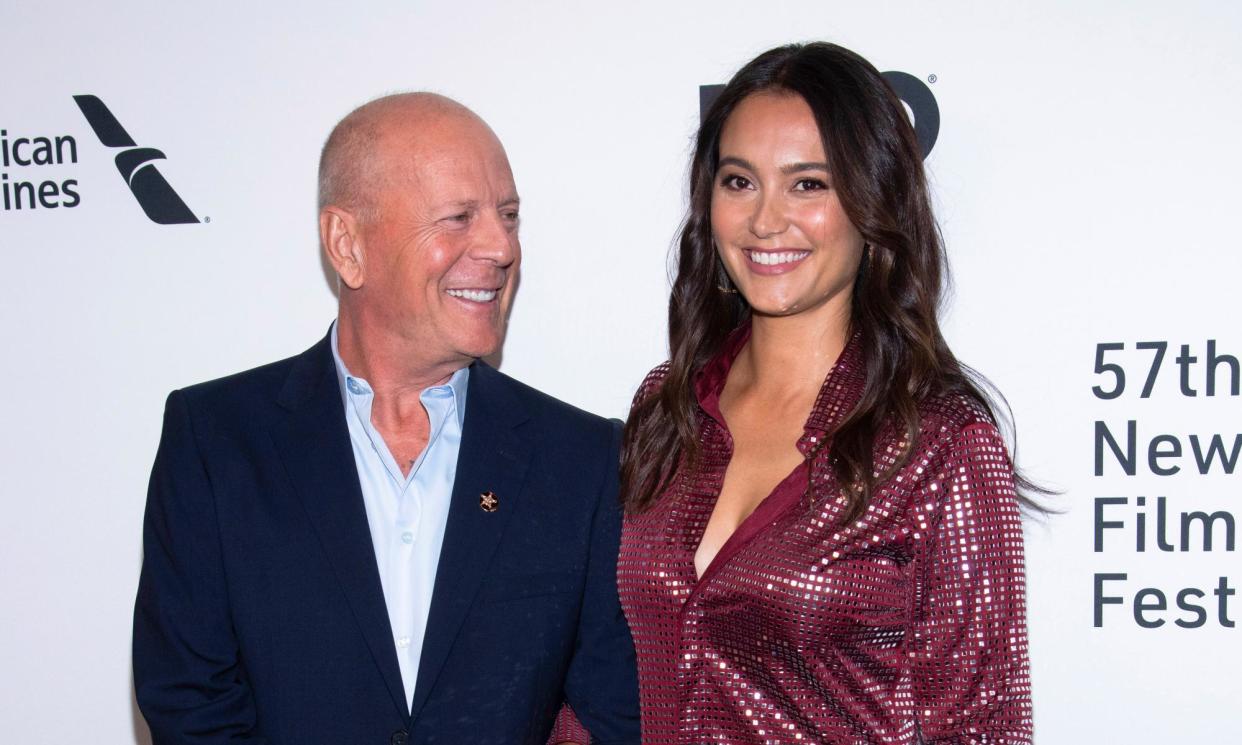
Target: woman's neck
[(787, 355)]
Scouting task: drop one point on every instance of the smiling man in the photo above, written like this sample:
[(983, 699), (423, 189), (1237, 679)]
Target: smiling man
[(384, 540)]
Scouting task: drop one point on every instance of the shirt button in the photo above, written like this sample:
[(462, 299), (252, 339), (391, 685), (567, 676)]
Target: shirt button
[(403, 642), (407, 537)]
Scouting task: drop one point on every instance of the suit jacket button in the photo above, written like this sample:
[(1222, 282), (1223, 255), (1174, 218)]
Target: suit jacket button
[(399, 738)]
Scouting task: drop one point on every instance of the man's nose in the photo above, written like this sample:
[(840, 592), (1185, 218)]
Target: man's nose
[(496, 240)]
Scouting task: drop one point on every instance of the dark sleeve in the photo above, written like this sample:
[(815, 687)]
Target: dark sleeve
[(602, 684), (968, 644), (188, 676)]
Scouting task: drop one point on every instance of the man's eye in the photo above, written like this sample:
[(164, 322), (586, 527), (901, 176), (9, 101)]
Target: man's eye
[(461, 217), (810, 184)]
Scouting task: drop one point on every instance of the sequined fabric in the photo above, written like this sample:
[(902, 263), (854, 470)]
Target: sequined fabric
[(568, 729), (904, 627)]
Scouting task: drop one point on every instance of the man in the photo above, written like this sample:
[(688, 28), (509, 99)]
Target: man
[(383, 540)]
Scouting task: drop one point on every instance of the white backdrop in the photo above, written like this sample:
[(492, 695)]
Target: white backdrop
[(1085, 176)]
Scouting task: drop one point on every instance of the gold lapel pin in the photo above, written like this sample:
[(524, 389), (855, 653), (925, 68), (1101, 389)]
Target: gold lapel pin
[(488, 502)]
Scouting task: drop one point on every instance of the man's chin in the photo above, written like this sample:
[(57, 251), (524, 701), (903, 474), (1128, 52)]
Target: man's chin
[(482, 348)]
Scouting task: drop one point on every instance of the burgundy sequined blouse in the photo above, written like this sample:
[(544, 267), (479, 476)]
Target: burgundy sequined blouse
[(906, 626)]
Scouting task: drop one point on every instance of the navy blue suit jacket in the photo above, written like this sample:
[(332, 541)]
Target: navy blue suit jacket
[(260, 617)]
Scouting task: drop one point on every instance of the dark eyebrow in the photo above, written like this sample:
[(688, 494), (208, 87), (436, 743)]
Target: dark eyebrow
[(799, 167), (785, 169), (737, 162)]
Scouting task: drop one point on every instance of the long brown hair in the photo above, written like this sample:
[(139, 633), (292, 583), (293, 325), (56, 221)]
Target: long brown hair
[(877, 168)]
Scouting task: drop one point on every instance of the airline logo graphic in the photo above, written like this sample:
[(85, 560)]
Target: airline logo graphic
[(154, 194), (912, 91)]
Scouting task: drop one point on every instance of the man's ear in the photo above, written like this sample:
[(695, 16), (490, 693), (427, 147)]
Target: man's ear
[(341, 237)]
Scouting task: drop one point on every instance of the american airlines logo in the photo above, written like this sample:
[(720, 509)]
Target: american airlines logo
[(40, 172), (154, 194), (914, 93)]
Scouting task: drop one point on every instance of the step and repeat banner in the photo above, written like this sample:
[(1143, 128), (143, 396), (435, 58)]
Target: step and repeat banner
[(157, 218)]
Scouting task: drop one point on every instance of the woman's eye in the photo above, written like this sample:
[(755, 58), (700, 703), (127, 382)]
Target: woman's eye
[(735, 182), (810, 184)]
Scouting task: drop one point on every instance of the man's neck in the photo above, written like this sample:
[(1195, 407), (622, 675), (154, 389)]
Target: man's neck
[(391, 365)]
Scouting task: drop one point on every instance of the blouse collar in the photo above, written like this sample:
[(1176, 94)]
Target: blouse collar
[(839, 393)]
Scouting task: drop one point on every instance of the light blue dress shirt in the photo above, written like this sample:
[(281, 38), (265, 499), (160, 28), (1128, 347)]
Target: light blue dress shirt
[(406, 514)]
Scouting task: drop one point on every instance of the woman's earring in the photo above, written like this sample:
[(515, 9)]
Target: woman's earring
[(725, 286)]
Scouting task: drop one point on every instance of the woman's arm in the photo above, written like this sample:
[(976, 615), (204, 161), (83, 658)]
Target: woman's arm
[(968, 644)]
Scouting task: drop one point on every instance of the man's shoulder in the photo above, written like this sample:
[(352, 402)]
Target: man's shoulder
[(262, 378), (249, 392), (544, 408)]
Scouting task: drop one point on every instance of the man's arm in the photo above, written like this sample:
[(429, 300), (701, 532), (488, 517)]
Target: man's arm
[(602, 684), (188, 676)]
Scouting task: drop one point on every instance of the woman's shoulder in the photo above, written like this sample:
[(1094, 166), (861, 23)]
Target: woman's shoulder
[(652, 383), (949, 418)]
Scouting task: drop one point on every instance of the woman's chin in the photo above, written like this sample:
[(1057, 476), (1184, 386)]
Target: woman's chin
[(776, 307)]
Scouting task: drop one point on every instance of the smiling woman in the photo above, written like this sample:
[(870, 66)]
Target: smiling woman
[(823, 540), (773, 212)]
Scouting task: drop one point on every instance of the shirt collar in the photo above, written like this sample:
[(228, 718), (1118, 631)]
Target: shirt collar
[(458, 382), (710, 381), (839, 393)]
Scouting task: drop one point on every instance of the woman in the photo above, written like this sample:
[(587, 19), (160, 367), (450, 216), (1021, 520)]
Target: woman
[(823, 539)]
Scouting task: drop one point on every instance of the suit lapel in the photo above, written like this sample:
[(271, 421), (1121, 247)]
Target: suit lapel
[(314, 446), (494, 458)]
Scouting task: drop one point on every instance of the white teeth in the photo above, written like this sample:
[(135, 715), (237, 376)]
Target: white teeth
[(478, 296), (780, 257)]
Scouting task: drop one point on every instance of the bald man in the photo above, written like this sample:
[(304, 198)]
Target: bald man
[(383, 540)]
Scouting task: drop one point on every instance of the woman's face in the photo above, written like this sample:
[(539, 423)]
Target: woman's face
[(777, 221)]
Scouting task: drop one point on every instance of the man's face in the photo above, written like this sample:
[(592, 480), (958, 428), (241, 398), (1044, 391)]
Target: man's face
[(442, 251)]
